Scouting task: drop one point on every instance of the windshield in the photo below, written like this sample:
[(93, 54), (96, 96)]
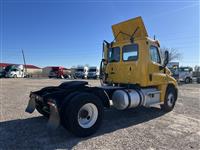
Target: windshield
[(92, 70), (54, 69), (14, 69), (81, 70), (8, 68), (174, 70), (114, 54), (185, 69)]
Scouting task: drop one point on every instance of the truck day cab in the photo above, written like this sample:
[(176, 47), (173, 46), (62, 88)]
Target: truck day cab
[(81, 72), (59, 72), (93, 73), (132, 73), (14, 71), (185, 74), (181, 74)]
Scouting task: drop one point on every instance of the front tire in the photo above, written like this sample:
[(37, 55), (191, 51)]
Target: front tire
[(187, 80), (83, 114), (170, 99), (15, 76)]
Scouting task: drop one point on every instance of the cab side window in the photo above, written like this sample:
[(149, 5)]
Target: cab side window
[(130, 52), (155, 55)]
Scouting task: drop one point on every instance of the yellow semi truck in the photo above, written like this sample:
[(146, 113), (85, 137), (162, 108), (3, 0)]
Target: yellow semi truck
[(132, 73)]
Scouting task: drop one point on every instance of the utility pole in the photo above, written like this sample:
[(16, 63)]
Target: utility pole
[(24, 62)]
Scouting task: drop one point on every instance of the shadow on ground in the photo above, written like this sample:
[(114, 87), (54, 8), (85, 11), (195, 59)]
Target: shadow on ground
[(32, 132)]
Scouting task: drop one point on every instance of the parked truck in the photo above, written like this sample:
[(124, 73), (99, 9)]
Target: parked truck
[(15, 71), (59, 72), (81, 72), (185, 74), (93, 73), (132, 74), (196, 73), (2, 73), (181, 74), (174, 68)]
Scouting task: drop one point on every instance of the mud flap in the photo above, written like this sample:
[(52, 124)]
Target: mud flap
[(31, 105), (54, 118)]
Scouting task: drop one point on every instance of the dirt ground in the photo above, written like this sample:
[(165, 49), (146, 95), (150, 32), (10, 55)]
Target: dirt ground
[(144, 128)]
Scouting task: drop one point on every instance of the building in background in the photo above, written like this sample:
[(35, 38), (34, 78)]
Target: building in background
[(33, 70)]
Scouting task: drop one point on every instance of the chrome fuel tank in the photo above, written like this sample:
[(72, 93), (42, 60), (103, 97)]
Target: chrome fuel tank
[(124, 99), (131, 98)]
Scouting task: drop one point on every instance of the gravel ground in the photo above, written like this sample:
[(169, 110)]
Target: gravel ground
[(144, 128)]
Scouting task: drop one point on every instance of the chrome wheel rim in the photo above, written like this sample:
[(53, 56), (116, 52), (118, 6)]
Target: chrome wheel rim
[(87, 115), (170, 99)]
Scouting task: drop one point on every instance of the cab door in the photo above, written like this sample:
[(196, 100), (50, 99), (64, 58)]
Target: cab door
[(129, 65), (157, 75)]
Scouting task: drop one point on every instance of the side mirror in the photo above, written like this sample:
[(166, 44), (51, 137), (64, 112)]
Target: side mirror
[(105, 45), (166, 60)]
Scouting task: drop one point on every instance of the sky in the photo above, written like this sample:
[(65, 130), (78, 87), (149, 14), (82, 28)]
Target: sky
[(69, 33)]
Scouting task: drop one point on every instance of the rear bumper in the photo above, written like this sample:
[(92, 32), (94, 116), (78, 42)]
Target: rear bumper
[(53, 76), (54, 117), (9, 75), (77, 75), (92, 76)]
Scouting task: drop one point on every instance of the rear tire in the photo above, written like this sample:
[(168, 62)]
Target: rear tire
[(170, 99), (83, 114), (198, 80)]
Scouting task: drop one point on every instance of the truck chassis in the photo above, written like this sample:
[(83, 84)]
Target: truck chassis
[(79, 108)]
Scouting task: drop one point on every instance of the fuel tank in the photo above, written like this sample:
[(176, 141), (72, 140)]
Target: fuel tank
[(124, 99), (131, 98)]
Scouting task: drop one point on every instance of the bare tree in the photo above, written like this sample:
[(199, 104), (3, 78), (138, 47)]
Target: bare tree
[(174, 54)]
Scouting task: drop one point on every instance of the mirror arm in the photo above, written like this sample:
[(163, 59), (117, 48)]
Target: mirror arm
[(161, 67)]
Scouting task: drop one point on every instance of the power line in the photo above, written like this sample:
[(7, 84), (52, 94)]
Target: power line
[(24, 61)]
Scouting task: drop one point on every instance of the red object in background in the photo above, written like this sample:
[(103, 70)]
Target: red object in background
[(58, 70)]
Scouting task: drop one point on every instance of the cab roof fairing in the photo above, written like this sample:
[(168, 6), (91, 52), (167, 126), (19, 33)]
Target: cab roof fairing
[(127, 29)]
